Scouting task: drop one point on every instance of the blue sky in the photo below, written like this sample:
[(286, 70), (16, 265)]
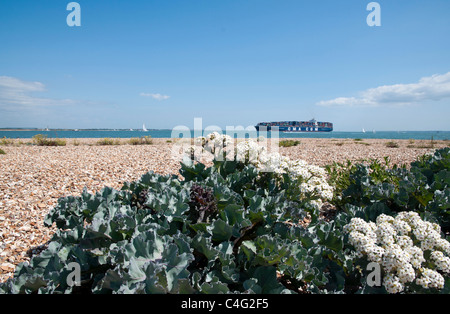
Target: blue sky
[(230, 62)]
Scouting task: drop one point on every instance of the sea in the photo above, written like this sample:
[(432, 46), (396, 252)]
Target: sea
[(162, 133)]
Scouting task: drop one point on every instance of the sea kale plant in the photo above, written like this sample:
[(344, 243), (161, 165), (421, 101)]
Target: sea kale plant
[(307, 183), (236, 227), (401, 219), (423, 187)]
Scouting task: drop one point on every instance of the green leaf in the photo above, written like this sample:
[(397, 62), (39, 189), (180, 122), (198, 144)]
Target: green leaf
[(175, 267), (204, 246), (145, 247), (266, 277), (214, 288), (136, 274), (220, 230)]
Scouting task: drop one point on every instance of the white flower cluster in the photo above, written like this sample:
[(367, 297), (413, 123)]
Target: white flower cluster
[(216, 141), (398, 245), (213, 145), (313, 178)]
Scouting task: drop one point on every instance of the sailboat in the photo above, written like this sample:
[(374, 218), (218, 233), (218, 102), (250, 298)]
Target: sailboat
[(364, 131), (144, 128)]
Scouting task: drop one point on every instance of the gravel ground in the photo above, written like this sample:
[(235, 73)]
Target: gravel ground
[(32, 178)]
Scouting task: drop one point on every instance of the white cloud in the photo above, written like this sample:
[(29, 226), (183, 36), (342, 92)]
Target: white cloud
[(155, 96), (436, 87), (16, 93), (16, 84)]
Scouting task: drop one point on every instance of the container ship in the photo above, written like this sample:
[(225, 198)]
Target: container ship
[(296, 126)]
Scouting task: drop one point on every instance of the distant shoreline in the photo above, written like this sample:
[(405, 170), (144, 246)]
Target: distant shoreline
[(70, 130), (320, 142), (149, 130), (167, 133)]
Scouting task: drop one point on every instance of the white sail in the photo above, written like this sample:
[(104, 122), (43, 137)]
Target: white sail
[(144, 128)]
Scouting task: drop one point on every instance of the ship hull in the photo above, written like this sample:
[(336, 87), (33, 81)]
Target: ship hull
[(294, 129), (311, 126)]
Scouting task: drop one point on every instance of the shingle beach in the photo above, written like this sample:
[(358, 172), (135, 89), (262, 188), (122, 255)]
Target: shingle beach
[(32, 178)]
